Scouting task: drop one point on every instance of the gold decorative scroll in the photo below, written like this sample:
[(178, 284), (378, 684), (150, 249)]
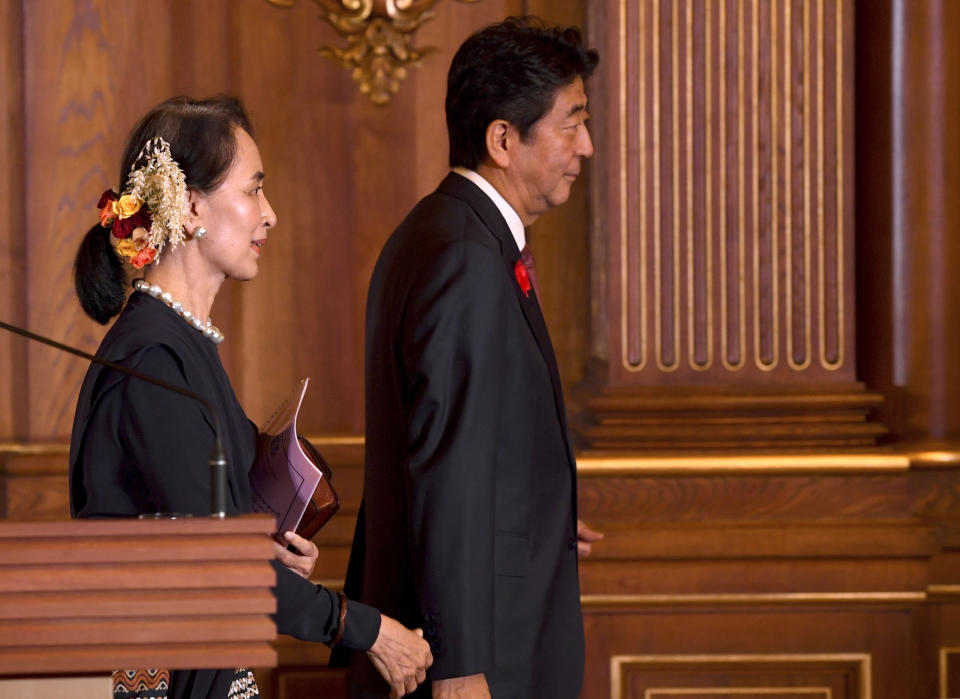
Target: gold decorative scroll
[(379, 37)]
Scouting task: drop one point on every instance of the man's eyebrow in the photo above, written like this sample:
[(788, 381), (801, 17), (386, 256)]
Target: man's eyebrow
[(577, 108)]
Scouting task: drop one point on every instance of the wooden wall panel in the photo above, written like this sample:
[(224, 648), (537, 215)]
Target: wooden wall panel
[(766, 581), (201, 61), (789, 672), (723, 305), (729, 190), (341, 174), (949, 671), (560, 238), (790, 676), (304, 300), (720, 561), (12, 208), (908, 63), (785, 561), (344, 173), (84, 84)]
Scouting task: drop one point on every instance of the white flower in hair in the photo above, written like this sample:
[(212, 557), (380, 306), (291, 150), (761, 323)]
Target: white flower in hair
[(157, 180)]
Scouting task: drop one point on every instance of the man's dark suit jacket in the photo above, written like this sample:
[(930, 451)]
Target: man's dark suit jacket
[(468, 527)]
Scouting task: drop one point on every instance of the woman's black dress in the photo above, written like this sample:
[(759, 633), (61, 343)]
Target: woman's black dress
[(138, 448)]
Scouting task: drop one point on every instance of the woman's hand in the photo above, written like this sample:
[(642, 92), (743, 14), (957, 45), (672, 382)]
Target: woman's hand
[(401, 656), (301, 563)]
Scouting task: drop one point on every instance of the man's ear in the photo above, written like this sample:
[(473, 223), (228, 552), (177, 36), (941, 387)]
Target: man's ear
[(196, 210), (498, 137)]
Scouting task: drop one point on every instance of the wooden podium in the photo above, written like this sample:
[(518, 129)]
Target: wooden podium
[(86, 597)]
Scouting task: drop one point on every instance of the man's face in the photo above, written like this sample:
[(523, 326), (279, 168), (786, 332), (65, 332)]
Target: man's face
[(544, 167)]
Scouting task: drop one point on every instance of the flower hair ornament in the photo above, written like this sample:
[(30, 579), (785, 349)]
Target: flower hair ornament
[(151, 210)]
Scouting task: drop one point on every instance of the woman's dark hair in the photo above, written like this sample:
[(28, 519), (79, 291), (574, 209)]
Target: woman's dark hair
[(510, 71), (202, 141)]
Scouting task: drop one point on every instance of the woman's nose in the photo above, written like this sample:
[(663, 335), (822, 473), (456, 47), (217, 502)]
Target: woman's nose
[(269, 217)]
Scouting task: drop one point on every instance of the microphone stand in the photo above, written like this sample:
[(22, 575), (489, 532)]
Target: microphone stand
[(218, 459)]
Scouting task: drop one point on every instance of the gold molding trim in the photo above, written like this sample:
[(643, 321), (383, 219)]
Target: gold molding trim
[(821, 232), (825, 692), (777, 464), (742, 186), (943, 591), (689, 186), (807, 171), (675, 199), (945, 651), (379, 36), (657, 183), (41, 448), (838, 117), (862, 661), (708, 183), (596, 464), (54, 448), (602, 602), (772, 362), (935, 458), (789, 352), (625, 306)]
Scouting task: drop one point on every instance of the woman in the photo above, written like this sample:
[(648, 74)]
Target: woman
[(191, 213)]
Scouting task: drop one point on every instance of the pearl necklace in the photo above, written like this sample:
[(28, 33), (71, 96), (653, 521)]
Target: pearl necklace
[(210, 331)]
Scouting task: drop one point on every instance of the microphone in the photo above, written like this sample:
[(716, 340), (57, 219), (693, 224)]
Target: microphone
[(218, 460)]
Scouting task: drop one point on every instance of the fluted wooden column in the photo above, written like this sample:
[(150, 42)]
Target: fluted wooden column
[(723, 227), (908, 147)]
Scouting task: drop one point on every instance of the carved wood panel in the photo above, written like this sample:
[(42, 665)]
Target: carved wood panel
[(341, 174), (840, 555), (727, 212), (790, 676)]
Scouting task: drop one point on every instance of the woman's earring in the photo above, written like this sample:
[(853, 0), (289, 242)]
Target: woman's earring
[(199, 233)]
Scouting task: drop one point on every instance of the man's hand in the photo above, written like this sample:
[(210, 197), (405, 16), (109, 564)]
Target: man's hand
[(401, 656), (585, 538), (301, 563), (469, 687)]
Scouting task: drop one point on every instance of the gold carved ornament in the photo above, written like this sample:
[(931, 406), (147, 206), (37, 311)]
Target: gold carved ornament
[(379, 35)]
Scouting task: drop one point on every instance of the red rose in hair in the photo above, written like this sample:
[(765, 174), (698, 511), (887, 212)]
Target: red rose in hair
[(107, 197), (142, 218), (122, 228), (523, 278)]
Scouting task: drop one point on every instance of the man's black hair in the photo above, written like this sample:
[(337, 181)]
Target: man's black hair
[(510, 71)]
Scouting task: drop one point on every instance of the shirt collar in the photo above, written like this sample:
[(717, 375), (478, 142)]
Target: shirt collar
[(511, 217)]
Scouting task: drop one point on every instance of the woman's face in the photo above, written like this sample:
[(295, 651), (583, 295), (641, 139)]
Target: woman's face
[(237, 215)]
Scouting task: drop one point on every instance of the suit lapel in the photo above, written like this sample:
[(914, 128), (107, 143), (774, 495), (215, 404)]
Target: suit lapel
[(531, 309), (460, 187)]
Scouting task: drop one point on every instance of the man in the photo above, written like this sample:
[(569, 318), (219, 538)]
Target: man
[(469, 524)]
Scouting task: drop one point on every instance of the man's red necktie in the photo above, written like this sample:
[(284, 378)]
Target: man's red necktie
[(527, 256)]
